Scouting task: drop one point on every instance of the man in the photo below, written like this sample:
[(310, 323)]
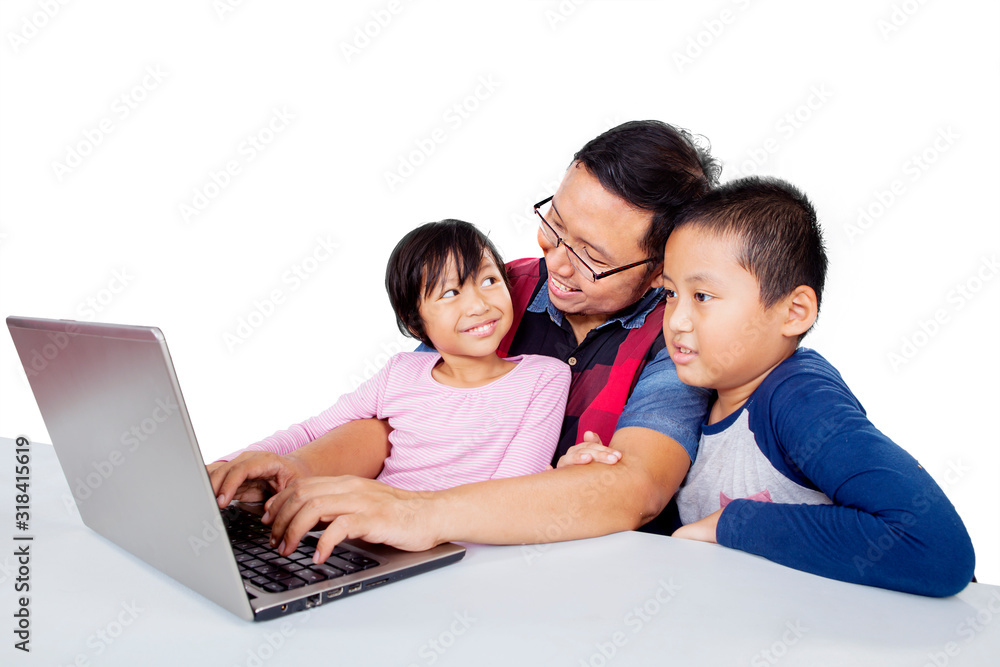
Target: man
[(595, 302)]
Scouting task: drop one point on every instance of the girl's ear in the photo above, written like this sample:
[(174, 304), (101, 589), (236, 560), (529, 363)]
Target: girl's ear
[(802, 311), (412, 325)]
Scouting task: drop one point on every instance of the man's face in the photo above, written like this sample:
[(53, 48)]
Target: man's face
[(605, 231)]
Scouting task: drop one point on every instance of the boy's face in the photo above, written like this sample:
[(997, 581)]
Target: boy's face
[(468, 319), (718, 333)]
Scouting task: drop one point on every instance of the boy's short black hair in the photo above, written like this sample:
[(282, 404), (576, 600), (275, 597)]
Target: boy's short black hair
[(653, 166), (779, 238), (417, 264)]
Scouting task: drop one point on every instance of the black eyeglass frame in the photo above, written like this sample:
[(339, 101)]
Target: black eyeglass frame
[(595, 276)]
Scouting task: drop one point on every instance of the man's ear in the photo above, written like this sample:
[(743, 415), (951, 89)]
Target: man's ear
[(657, 276), (802, 309)]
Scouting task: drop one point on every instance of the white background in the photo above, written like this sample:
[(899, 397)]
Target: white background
[(837, 98)]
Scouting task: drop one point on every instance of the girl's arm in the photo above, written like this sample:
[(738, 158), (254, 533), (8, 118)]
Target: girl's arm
[(314, 447), (537, 435), (362, 403)]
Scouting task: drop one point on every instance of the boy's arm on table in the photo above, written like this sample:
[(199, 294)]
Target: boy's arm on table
[(890, 526), (556, 505)]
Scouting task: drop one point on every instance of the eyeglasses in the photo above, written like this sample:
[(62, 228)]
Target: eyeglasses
[(590, 274)]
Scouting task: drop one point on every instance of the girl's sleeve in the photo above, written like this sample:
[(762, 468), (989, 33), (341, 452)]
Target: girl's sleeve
[(362, 403), (534, 442), (890, 524)]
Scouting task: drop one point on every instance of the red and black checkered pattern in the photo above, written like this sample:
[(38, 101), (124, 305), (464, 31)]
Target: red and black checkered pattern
[(605, 366)]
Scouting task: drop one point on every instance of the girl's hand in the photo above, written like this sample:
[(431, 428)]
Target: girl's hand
[(253, 476), (591, 450)]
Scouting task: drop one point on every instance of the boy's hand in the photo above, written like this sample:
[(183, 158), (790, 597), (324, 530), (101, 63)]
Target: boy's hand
[(702, 530), (591, 450)]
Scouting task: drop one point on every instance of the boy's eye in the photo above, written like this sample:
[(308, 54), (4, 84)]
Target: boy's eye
[(490, 280), (451, 292), (702, 297)]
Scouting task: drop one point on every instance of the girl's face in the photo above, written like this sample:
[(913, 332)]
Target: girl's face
[(468, 319)]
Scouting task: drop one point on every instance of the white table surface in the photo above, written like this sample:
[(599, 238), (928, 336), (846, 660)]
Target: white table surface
[(624, 599)]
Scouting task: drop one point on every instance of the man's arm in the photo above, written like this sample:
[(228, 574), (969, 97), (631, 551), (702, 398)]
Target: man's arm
[(570, 503), (555, 505)]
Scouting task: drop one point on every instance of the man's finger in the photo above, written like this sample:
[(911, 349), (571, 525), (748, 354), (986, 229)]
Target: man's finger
[(334, 534), (311, 512), (284, 507)]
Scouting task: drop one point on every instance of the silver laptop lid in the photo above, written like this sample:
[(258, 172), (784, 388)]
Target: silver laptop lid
[(114, 411)]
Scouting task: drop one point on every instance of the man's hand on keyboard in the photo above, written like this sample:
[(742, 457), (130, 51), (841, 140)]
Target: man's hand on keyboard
[(355, 508), (253, 476)]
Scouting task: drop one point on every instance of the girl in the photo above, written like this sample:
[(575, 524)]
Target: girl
[(460, 414)]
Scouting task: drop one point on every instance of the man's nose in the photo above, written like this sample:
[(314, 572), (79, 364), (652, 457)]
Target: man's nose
[(557, 260)]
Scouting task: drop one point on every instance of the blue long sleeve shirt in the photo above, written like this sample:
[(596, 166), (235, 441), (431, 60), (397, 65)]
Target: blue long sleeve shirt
[(807, 481)]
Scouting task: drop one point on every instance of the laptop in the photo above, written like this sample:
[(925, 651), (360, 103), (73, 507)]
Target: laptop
[(113, 408)]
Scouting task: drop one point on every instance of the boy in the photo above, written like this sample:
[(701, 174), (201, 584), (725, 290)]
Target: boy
[(788, 465)]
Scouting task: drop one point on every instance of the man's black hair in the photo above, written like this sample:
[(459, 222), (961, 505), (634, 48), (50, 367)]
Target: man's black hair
[(653, 166), (417, 264)]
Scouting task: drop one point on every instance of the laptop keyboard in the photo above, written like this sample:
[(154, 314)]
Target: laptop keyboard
[(266, 568)]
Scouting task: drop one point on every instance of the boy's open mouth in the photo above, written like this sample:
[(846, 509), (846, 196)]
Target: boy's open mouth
[(681, 354)]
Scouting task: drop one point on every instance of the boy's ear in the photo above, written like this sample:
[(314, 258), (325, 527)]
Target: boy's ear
[(802, 311)]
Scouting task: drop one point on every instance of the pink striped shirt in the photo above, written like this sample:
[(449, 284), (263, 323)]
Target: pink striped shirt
[(446, 436)]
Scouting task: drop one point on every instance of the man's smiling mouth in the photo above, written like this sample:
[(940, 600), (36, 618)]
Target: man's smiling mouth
[(560, 287)]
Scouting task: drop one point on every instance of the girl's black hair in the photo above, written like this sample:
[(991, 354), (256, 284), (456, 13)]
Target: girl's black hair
[(417, 264)]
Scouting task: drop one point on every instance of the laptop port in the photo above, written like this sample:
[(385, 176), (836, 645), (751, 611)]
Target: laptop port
[(354, 589), (314, 601), (373, 584), (336, 592)]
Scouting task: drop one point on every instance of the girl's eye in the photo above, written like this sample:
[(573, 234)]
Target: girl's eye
[(670, 294), (702, 297)]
